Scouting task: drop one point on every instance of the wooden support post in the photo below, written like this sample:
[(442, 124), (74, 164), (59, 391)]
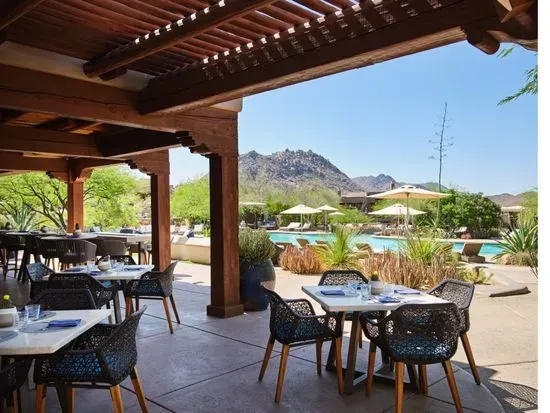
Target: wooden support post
[(160, 213), (75, 204), (224, 245)]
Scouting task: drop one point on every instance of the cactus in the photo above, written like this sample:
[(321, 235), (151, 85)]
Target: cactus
[(5, 303)]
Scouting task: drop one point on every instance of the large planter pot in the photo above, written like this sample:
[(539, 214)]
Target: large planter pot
[(254, 275), (8, 317)]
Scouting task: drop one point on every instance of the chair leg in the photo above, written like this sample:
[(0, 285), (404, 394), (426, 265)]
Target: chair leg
[(370, 368), (174, 308), (470, 356), (268, 350), (338, 357), (116, 395), (423, 378), (319, 351), (168, 316), (15, 402), (40, 398), (399, 381), (139, 390), (70, 392), (137, 303), (128, 304), (282, 370), (452, 385)]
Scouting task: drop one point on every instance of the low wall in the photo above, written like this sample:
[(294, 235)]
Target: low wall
[(191, 249)]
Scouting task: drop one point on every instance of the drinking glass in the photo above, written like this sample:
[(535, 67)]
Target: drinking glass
[(33, 311), (389, 289), (22, 320), (365, 291), (352, 286)]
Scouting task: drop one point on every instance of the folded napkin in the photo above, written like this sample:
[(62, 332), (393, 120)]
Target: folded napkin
[(94, 272), (64, 323), (407, 291), (333, 292), (133, 268), (385, 300), (74, 269)]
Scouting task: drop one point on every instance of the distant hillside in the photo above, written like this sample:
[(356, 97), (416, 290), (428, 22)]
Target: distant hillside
[(383, 182), (294, 168), (507, 199)]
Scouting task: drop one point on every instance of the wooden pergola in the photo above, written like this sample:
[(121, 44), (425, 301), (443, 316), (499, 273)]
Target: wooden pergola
[(89, 83)]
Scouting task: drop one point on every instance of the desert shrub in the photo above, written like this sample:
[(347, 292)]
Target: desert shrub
[(520, 246), (398, 268), (476, 275), (255, 246), (338, 253), (425, 250), (300, 260)]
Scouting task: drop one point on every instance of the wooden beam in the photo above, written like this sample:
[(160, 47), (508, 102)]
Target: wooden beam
[(137, 142), (151, 163), (424, 31), (6, 115), (15, 10), (40, 141), (179, 31), (31, 91), (482, 40), (160, 211), (13, 161), (64, 124), (75, 204), (507, 9), (224, 244)]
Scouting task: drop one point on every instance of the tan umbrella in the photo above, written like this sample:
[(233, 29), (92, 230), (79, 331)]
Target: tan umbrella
[(326, 209), (408, 192), (397, 210), (301, 210)]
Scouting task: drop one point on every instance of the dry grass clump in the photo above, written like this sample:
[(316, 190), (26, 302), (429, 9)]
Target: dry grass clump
[(300, 261), (397, 268)]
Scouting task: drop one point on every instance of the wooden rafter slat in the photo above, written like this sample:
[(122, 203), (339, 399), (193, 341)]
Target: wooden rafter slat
[(297, 10), (172, 35), (15, 10), (317, 5), (283, 15)]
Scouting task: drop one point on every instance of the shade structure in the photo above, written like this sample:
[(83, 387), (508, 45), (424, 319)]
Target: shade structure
[(326, 209), (301, 210), (337, 213), (397, 209), (409, 192)]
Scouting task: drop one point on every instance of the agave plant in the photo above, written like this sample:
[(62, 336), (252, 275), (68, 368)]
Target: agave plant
[(22, 219), (339, 254), (425, 250), (521, 244)]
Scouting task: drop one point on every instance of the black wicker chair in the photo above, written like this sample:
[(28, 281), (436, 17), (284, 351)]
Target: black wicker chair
[(101, 358), (48, 250), (74, 252), (342, 277), (102, 295), (35, 274), (294, 323), (12, 245), (12, 377), (460, 293), (154, 285), (110, 247), (65, 299), (415, 334)]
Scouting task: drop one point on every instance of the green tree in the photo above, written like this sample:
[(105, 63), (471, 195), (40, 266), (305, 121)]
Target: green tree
[(463, 209), (191, 200), (531, 204), (531, 85)]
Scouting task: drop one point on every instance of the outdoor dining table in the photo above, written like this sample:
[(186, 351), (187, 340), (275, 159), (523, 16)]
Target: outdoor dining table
[(122, 275), (48, 341), (355, 305)]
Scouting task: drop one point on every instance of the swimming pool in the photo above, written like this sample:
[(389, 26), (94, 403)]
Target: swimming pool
[(377, 243)]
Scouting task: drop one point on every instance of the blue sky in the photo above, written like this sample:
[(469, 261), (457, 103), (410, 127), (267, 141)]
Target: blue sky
[(379, 119)]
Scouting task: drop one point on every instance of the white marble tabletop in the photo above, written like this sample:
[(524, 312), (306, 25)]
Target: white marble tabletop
[(130, 272), (336, 304), (126, 237), (49, 342)]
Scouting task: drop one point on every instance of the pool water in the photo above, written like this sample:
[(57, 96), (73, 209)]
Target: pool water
[(377, 243)]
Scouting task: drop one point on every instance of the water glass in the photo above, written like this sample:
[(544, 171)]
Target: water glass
[(389, 289), (22, 320), (352, 286), (365, 291), (90, 265), (33, 312)]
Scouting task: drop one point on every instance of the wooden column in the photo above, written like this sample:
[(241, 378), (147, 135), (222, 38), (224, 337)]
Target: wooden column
[(224, 246), (75, 204), (160, 214)]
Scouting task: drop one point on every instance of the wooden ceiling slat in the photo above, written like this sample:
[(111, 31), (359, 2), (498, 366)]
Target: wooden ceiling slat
[(297, 10), (230, 37), (166, 38), (239, 31), (268, 21), (283, 15), (223, 42), (15, 10), (254, 27), (318, 6)]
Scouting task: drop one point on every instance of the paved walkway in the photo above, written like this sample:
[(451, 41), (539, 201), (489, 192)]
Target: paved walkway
[(211, 364)]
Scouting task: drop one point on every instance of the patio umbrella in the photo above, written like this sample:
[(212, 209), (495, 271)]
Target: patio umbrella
[(253, 204), (327, 209), (337, 213), (397, 210), (408, 192), (301, 210)]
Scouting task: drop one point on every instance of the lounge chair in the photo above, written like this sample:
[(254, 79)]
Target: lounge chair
[(198, 228), (291, 227), (470, 252), (302, 241), (321, 242), (361, 246), (306, 227)]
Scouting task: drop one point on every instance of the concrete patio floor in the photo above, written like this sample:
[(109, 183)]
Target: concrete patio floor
[(211, 364)]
